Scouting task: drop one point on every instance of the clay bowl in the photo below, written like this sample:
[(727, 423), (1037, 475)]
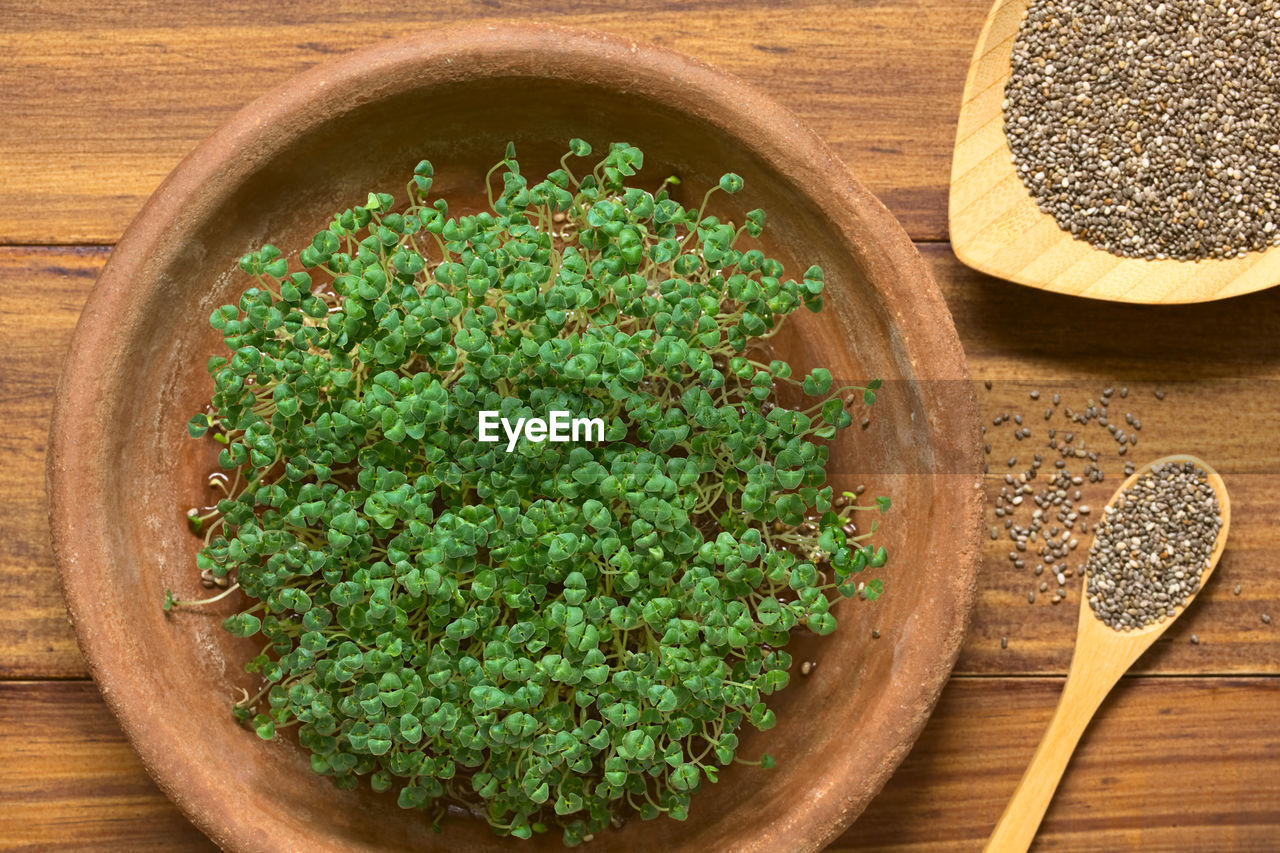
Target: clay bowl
[(122, 472)]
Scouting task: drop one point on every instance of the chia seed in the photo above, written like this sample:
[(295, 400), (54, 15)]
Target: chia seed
[(1057, 496), (1149, 130), (1152, 546)]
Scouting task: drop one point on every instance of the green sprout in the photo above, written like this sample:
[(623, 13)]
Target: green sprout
[(561, 635)]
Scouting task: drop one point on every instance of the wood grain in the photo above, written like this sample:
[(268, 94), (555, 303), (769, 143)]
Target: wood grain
[(41, 291), (1156, 771), (101, 100), (996, 226), (1221, 377), (68, 779)]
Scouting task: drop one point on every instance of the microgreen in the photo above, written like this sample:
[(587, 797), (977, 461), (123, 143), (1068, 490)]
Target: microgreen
[(560, 634)]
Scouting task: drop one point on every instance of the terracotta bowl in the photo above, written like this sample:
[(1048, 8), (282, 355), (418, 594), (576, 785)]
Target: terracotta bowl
[(122, 472)]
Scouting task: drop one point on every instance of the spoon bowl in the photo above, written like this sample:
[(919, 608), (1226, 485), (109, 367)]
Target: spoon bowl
[(1102, 655)]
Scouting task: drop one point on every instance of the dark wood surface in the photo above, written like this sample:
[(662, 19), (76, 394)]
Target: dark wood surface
[(70, 781), (101, 100)]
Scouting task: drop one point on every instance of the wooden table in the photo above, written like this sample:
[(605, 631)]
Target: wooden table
[(98, 101)]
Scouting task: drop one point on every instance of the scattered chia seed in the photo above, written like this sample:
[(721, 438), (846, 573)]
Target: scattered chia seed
[(1195, 640), (1004, 642), (1148, 129), (1152, 546), (1045, 510), (1238, 589), (1266, 619), (875, 634)]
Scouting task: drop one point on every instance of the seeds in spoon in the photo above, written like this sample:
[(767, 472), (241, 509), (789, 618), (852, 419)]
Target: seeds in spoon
[(1152, 546)]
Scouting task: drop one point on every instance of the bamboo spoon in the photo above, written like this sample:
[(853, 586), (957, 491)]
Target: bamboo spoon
[(1101, 656)]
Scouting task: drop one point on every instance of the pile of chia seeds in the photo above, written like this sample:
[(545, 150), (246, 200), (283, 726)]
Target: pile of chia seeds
[(1152, 545), (1151, 129)]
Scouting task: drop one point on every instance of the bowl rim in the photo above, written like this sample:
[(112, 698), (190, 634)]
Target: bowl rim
[(257, 132)]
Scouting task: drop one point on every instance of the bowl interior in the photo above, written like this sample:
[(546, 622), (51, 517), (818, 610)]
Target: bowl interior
[(172, 677)]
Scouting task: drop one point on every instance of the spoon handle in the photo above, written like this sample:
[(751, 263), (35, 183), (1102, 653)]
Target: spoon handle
[(1081, 696)]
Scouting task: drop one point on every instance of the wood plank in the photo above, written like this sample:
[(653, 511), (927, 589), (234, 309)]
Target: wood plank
[(68, 777), (102, 99), (70, 781), (43, 290), (1219, 373)]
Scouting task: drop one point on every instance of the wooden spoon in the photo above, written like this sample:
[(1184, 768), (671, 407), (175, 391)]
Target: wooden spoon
[(997, 228), (1101, 656)]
